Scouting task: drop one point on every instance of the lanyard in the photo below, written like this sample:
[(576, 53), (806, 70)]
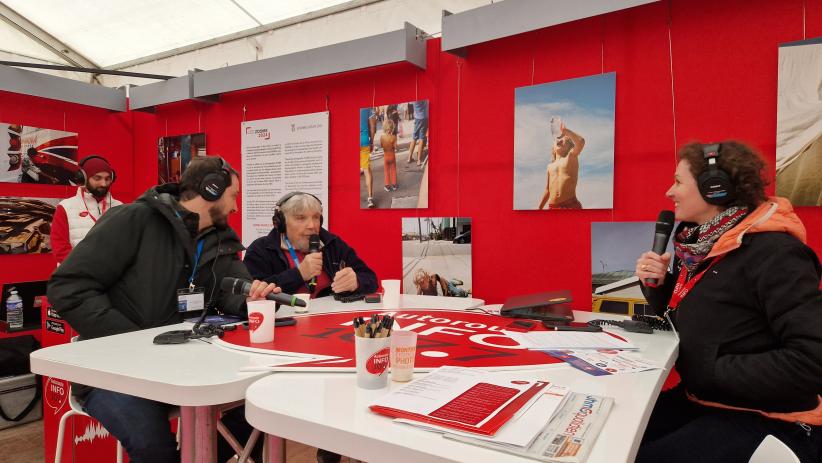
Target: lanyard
[(293, 254), (196, 261), (101, 212), (682, 288)]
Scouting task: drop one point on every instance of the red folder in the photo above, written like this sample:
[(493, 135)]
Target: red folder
[(460, 415)]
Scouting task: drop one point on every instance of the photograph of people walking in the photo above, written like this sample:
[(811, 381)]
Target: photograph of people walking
[(394, 156), (564, 144)]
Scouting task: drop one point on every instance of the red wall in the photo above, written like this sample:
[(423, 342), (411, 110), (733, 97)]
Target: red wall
[(724, 58)]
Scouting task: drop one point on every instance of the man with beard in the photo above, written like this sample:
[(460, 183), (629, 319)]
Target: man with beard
[(142, 266), (75, 216)]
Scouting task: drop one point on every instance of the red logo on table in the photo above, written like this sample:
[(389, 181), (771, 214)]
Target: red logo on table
[(56, 393), (378, 363), (255, 319)]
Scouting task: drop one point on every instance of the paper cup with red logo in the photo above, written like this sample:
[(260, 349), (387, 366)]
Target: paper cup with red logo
[(372, 362), (261, 320), (403, 352)]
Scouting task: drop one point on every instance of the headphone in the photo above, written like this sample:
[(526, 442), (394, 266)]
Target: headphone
[(279, 218), (714, 183), (213, 184), (80, 177)]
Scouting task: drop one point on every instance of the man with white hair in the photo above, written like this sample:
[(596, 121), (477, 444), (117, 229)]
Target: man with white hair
[(284, 255)]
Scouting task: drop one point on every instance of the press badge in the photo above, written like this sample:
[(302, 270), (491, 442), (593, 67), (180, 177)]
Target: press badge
[(190, 299)]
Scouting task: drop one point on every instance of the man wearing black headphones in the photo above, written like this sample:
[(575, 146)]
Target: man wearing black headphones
[(75, 216), (285, 256), (165, 254)]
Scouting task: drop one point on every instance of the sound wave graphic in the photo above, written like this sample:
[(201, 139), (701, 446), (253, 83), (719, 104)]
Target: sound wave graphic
[(93, 431)]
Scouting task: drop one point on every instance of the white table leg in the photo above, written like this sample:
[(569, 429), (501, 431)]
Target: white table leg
[(273, 449)]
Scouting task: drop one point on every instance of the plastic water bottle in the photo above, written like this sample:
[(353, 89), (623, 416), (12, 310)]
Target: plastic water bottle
[(556, 126), (14, 310)]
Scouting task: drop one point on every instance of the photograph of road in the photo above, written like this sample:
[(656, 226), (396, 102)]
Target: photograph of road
[(25, 224), (394, 156), (436, 256)]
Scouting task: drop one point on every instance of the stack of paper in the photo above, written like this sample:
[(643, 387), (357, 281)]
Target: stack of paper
[(472, 402), (555, 340)]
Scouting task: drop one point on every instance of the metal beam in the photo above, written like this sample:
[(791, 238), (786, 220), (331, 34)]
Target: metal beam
[(48, 41), (512, 17), (59, 88), (60, 67), (146, 97), (246, 33), (407, 44)]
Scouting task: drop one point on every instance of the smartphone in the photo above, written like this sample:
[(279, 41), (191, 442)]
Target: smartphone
[(373, 297), (551, 325), (520, 325)]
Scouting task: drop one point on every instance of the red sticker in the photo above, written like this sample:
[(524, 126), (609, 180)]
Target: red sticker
[(56, 393), (84, 214), (378, 363), (255, 319)]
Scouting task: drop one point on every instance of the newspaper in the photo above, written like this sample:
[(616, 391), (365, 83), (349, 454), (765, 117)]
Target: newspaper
[(569, 435)]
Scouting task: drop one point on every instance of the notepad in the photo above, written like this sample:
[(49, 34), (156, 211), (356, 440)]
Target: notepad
[(553, 340)]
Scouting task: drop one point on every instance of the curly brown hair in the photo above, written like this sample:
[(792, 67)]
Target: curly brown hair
[(743, 165)]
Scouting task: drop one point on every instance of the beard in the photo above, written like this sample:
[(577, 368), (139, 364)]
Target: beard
[(218, 217), (98, 193)]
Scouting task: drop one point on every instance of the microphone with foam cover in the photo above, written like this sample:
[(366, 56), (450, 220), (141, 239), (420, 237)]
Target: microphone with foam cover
[(243, 287)]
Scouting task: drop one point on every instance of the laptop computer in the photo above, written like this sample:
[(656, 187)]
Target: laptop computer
[(551, 306)]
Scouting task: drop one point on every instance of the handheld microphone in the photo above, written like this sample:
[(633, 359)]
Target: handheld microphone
[(243, 287), (662, 232), (313, 246)]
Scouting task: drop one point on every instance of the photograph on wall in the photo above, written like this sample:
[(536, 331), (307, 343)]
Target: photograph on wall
[(436, 256), (394, 156), (174, 154), (25, 224), (615, 247), (35, 155), (564, 144), (799, 123), (278, 156)]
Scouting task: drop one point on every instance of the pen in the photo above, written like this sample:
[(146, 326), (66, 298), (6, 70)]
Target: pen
[(586, 328)]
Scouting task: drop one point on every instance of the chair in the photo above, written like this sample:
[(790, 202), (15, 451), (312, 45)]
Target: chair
[(773, 450)]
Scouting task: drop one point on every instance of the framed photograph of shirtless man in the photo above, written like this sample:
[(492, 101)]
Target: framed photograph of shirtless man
[(436, 256), (394, 156), (564, 144)]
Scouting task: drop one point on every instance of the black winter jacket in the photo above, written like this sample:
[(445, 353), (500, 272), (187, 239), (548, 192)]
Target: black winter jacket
[(267, 261), (125, 274), (751, 328)]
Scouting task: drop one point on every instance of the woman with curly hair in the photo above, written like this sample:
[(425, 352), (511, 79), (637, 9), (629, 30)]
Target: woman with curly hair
[(743, 294)]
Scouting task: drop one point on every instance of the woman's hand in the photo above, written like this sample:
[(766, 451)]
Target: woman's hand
[(652, 265)]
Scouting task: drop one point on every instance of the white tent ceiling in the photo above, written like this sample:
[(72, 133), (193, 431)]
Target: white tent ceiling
[(111, 32)]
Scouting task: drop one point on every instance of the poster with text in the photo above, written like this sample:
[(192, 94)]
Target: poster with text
[(799, 123), (436, 256), (282, 155), (174, 154), (394, 156), (25, 224), (564, 144), (34, 155)]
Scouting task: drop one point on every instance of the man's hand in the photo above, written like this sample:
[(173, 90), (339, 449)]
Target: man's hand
[(311, 266), (260, 289), (345, 280)]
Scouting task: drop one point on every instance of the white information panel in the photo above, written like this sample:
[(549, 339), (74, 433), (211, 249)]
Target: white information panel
[(281, 155)]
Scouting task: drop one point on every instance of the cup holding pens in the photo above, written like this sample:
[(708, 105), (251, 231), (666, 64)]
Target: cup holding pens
[(391, 293), (372, 356), (403, 352), (261, 321)]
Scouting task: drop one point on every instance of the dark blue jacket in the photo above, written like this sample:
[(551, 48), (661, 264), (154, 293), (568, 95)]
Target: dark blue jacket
[(267, 261)]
